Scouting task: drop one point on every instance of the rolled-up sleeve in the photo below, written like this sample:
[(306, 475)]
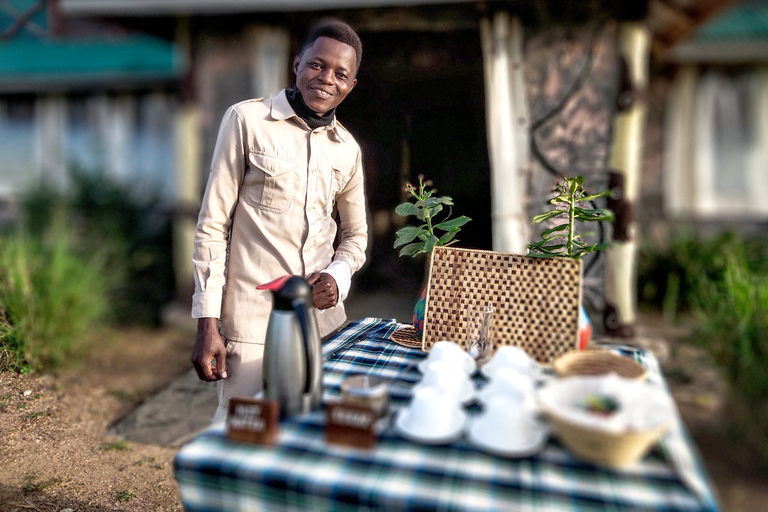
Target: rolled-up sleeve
[(215, 218), (351, 205)]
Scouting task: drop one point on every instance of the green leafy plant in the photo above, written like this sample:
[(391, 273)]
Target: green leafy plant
[(562, 239), (423, 238)]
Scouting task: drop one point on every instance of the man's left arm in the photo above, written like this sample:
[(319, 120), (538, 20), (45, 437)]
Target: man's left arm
[(332, 284)]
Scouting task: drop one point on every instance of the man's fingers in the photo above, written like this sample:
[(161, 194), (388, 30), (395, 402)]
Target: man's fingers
[(204, 371), (221, 365)]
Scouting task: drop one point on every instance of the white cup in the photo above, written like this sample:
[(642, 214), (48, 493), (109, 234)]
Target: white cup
[(509, 383), (507, 423), (431, 413), (449, 352), (445, 376), (515, 358)]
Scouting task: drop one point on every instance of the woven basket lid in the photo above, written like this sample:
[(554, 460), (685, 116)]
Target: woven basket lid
[(537, 300)]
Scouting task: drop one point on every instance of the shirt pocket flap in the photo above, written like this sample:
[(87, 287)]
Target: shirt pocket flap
[(271, 165)]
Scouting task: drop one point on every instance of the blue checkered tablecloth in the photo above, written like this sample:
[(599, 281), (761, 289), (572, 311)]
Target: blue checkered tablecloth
[(302, 472)]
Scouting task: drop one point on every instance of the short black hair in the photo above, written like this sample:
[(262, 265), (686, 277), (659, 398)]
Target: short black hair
[(334, 29)]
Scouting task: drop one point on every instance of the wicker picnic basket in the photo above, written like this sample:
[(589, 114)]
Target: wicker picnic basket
[(537, 300)]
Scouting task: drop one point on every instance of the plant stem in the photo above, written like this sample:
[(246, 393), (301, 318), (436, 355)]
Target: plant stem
[(571, 221)]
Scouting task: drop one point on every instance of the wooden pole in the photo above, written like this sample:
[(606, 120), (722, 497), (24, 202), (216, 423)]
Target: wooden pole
[(625, 163)]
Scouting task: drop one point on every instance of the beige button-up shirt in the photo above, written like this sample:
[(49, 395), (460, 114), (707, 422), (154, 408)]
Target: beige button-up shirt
[(268, 211)]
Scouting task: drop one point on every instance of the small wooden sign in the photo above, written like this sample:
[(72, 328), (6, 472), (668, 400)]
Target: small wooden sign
[(351, 425), (252, 420)]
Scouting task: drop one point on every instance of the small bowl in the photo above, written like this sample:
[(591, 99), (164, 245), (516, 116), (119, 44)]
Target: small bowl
[(597, 362)]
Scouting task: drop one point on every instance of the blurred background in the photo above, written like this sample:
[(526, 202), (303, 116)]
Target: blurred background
[(109, 112)]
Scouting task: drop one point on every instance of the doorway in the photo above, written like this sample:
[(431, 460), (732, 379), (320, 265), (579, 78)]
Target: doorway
[(419, 108)]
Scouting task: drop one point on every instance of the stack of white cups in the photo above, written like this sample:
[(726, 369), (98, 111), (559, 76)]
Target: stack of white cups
[(508, 424), (435, 414)]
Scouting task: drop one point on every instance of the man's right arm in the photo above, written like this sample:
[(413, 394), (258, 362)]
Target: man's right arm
[(211, 240)]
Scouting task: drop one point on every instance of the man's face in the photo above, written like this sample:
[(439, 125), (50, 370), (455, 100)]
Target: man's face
[(325, 74)]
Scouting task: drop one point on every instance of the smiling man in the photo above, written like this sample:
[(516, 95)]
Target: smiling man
[(281, 170)]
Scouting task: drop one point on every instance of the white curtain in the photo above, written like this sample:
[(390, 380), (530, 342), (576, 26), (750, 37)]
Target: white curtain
[(507, 124), (717, 145), (270, 55)]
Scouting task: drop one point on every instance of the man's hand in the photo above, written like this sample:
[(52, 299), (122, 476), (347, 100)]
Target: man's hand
[(208, 346), (325, 292)]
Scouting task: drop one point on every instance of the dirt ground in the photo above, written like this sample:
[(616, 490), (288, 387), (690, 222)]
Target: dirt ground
[(56, 457)]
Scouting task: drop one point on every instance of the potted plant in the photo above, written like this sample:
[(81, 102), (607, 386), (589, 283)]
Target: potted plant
[(429, 233), (570, 203)]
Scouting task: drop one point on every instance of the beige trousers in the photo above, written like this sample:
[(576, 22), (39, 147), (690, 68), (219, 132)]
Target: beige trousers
[(244, 374)]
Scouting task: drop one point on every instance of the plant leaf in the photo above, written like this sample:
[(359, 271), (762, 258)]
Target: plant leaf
[(561, 227), (407, 234), (604, 193), (562, 198), (453, 224), (429, 203), (547, 215), (448, 237), (412, 249), (406, 209), (429, 244)]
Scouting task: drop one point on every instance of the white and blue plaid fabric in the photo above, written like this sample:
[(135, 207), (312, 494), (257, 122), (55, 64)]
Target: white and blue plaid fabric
[(301, 472)]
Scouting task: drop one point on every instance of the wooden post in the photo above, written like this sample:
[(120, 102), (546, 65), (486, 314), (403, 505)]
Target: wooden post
[(626, 158), (508, 127)]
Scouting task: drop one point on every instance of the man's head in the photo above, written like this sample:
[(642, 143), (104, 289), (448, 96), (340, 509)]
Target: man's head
[(327, 65)]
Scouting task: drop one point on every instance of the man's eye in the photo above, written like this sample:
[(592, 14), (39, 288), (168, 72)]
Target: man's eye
[(341, 76), (314, 65)]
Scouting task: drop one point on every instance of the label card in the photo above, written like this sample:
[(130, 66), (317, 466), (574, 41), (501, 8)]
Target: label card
[(351, 425), (252, 420)]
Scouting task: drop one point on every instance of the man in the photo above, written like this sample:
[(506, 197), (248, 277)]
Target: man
[(279, 168)]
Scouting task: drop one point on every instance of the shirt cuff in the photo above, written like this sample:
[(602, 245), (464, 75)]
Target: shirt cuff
[(206, 304), (342, 274)]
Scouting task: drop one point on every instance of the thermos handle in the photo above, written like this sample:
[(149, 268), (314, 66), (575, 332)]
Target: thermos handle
[(302, 312)]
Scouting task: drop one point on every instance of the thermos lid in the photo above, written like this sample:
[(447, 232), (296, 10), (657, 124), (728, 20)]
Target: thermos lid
[(286, 289)]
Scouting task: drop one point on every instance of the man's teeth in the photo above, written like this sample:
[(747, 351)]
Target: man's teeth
[(322, 93)]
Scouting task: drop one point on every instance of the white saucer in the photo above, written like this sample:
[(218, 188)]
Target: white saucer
[(467, 363), (448, 435), (465, 395), (507, 448)]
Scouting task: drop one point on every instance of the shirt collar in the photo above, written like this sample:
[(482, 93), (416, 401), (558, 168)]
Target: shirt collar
[(281, 110)]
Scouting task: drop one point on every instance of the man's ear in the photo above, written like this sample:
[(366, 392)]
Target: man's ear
[(296, 61)]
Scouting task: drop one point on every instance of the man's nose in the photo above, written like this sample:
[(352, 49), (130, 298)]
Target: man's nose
[(326, 75)]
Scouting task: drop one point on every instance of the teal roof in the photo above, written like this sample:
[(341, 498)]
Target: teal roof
[(27, 61), (135, 53), (745, 21)]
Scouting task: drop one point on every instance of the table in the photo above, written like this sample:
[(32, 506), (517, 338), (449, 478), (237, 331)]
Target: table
[(302, 472)]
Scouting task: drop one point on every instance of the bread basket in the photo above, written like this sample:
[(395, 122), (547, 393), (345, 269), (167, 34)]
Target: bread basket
[(597, 362), (618, 440)]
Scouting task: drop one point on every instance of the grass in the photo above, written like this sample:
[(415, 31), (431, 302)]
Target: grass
[(30, 486), (115, 446), (36, 414), (50, 296), (125, 495), (724, 283)]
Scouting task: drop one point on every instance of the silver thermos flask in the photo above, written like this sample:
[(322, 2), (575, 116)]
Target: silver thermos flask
[(293, 366)]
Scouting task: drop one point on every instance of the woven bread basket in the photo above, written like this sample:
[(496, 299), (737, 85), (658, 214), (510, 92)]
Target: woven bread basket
[(604, 447), (597, 362)]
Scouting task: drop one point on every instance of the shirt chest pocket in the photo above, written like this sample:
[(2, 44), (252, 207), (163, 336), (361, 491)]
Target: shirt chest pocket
[(340, 174), (268, 184)]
